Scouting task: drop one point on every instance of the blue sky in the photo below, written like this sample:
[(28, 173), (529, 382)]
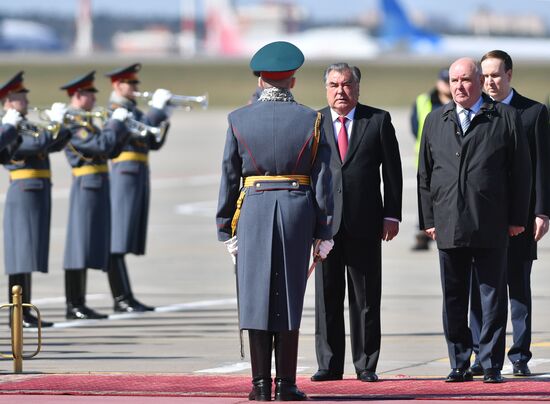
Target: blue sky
[(319, 9)]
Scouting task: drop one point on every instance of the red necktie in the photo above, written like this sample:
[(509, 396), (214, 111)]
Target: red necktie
[(343, 138)]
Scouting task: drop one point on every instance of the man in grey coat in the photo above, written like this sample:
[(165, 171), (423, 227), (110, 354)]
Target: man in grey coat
[(27, 209), (130, 183), (277, 147), (88, 240), (474, 181)]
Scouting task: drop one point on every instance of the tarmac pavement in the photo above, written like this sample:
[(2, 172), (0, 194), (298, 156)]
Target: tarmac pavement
[(188, 276)]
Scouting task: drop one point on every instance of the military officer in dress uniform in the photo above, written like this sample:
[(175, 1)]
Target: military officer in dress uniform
[(130, 184), (278, 148), (88, 241), (28, 200)]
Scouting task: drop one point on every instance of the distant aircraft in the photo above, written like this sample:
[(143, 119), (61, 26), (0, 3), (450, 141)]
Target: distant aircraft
[(25, 35), (397, 35)]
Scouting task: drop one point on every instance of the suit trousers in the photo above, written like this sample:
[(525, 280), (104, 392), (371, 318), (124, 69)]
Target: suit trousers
[(456, 268), (360, 260), (519, 290)]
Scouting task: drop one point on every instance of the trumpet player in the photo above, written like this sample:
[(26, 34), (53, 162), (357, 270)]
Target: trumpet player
[(130, 184), (28, 200), (89, 225)]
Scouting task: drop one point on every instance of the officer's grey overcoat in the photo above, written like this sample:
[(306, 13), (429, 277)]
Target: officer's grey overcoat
[(88, 240), (130, 187), (28, 205), (276, 226)]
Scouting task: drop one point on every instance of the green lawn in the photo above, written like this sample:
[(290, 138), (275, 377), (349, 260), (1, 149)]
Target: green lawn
[(230, 84)]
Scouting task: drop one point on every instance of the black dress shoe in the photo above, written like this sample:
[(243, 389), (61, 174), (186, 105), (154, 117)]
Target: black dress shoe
[(286, 391), (30, 321), (459, 375), (492, 376), (325, 375), (521, 369), (83, 313), (367, 376), (476, 369), (131, 305)]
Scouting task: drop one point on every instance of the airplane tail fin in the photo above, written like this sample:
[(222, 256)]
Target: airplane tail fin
[(398, 30)]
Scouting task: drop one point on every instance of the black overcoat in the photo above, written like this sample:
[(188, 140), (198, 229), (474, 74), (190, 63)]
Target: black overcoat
[(536, 126), (471, 187)]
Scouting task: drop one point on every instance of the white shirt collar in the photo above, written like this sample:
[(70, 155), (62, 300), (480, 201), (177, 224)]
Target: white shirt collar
[(474, 108), (335, 114)]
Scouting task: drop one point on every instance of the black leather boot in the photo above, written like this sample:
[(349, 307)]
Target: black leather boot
[(75, 294), (260, 358), (24, 280), (286, 358), (121, 289)]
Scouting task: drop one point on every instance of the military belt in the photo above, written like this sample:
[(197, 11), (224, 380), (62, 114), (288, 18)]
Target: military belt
[(131, 156), (256, 182), (26, 173), (87, 170)]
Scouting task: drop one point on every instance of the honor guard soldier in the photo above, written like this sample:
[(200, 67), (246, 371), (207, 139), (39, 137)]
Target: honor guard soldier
[(88, 241), (278, 148), (130, 184), (28, 200)]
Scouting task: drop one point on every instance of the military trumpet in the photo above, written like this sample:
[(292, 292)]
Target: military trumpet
[(141, 129), (183, 101)]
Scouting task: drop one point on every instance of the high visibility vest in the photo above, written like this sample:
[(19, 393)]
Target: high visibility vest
[(423, 108)]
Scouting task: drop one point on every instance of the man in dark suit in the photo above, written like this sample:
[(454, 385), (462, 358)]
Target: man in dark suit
[(474, 181), (362, 139), (497, 67)]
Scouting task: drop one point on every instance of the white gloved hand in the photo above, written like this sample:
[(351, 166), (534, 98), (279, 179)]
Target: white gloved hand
[(160, 98), (324, 248), (232, 247), (120, 114), (57, 112), (12, 117)]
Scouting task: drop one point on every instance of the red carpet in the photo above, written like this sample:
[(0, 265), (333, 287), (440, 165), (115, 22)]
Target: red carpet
[(239, 386)]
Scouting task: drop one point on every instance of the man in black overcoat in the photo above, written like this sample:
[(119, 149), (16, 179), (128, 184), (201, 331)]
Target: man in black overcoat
[(474, 180), (497, 67), (363, 143)]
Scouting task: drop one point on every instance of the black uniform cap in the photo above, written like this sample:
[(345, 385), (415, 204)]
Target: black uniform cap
[(126, 74)]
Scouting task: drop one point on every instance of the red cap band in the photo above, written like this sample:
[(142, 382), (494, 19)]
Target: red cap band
[(277, 75)]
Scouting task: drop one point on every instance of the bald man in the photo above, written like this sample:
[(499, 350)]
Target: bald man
[(474, 180)]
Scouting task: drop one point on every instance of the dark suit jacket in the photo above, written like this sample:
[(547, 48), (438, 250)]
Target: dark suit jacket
[(536, 126), (358, 203), (472, 187)]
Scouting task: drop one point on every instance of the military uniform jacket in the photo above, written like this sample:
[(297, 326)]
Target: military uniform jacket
[(471, 187), (28, 204), (536, 126), (88, 240), (277, 225), (130, 188), (359, 206)]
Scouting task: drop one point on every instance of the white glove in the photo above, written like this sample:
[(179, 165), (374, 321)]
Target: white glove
[(232, 248), (57, 112), (160, 98), (12, 117), (324, 248), (120, 114)]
